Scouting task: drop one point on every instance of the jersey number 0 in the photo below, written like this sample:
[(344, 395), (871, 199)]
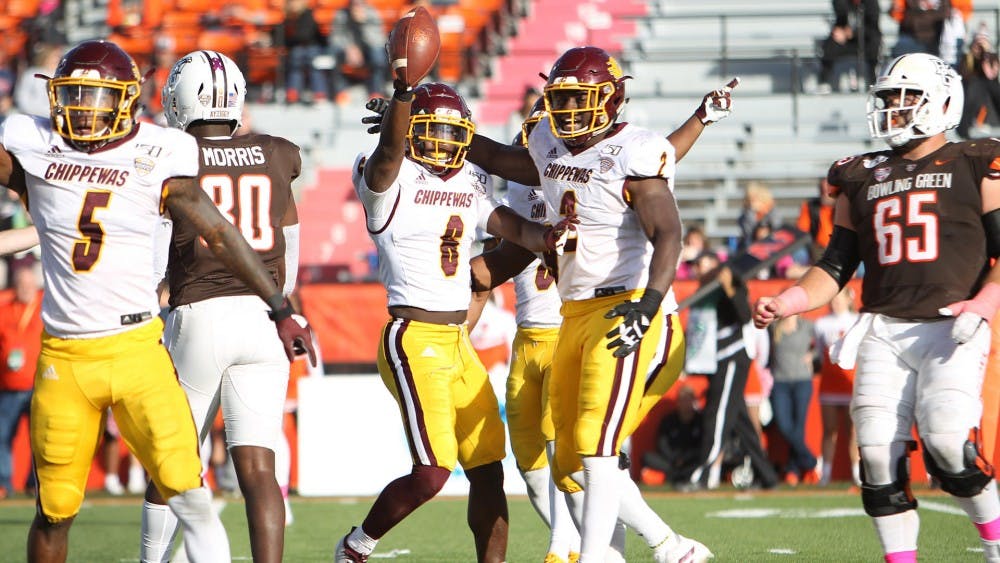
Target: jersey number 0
[(246, 204)]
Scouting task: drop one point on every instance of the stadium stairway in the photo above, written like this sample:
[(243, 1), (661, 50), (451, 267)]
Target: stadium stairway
[(545, 33)]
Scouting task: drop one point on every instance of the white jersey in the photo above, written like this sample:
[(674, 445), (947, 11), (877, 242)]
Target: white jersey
[(537, 297), (96, 215), (423, 227), (609, 253)]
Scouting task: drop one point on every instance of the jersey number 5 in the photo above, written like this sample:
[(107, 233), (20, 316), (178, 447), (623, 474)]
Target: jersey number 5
[(889, 221), (246, 204), (87, 248)]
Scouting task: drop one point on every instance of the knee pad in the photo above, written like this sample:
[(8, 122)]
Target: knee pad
[(971, 480), (894, 498), (429, 480), (59, 502), (177, 473)]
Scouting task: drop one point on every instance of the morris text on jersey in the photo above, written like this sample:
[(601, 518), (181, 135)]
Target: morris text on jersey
[(568, 173), (65, 172), (939, 180), (232, 156), (447, 199)]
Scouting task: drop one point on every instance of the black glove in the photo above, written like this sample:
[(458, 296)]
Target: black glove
[(638, 315), (379, 106), (294, 332)]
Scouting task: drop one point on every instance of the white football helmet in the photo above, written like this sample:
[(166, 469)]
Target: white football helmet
[(204, 86), (927, 99)]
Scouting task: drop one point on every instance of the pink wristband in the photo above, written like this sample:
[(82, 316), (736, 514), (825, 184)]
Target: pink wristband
[(794, 300), (986, 302)]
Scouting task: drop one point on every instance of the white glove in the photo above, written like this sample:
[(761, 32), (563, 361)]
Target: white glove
[(966, 325), (717, 104)]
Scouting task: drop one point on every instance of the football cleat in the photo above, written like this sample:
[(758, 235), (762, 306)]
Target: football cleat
[(345, 554), (680, 549)]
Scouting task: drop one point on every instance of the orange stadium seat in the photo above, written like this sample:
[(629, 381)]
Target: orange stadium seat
[(226, 41), (13, 39), (264, 63), (21, 8), (185, 39), (185, 20)]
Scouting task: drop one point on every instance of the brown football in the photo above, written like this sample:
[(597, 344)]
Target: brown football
[(414, 44)]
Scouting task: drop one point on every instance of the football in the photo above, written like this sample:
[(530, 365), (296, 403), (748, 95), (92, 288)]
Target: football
[(414, 44)]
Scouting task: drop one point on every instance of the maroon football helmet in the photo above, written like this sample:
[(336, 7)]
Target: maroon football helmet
[(93, 94), (584, 94), (441, 127), (534, 116)]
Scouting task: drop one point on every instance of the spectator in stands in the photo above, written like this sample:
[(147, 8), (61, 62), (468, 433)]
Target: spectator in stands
[(758, 209), (816, 218), (31, 95), (357, 41), (715, 347), (979, 70), (6, 87), (695, 242), (855, 28), (20, 344), (792, 359), (303, 40), (836, 385), (920, 25), (678, 440), (952, 43), (164, 55)]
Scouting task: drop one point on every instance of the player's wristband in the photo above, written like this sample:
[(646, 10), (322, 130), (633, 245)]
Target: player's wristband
[(650, 301), (281, 309), (794, 300), (404, 94)]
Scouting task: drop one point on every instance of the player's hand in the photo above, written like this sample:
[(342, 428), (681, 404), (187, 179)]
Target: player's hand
[(556, 236), (379, 106), (971, 313), (627, 336), (967, 320), (295, 334), (636, 318), (766, 311), (717, 104)]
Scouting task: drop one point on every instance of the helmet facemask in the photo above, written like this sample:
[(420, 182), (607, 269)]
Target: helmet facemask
[(90, 112), (440, 140), (536, 115), (578, 111)]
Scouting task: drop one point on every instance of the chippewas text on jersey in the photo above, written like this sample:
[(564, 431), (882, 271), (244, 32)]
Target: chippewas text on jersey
[(250, 180), (96, 214), (423, 227), (609, 252), (919, 225)]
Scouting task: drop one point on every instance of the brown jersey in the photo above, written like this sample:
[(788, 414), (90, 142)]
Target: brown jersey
[(250, 180), (919, 225)]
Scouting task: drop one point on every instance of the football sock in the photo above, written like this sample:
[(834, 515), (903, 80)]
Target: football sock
[(599, 505), (827, 472), (636, 514), (538, 481), (984, 511), (361, 542), (574, 501), (204, 536), (616, 551), (159, 527), (565, 537), (901, 557), (898, 534)]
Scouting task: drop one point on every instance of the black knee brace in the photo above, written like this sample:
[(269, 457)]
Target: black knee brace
[(968, 482), (894, 498)]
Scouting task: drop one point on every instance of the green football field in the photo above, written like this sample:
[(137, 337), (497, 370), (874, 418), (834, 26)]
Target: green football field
[(784, 525)]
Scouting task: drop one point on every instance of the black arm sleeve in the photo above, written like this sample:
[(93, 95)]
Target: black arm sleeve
[(991, 224), (842, 255), (741, 303)]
